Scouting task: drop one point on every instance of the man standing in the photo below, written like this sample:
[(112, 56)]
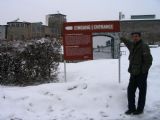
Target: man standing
[(140, 61)]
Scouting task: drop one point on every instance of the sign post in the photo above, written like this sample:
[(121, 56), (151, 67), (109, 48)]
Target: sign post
[(121, 16), (65, 71), (119, 63)]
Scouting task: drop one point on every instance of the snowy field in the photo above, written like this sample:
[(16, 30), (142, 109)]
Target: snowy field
[(102, 53), (92, 92)]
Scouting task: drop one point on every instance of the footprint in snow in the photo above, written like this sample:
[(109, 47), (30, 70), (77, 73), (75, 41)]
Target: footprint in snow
[(72, 111), (110, 96), (122, 115), (16, 119), (84, 86), (103, 114), (58, 98), (107, 106), (48, 93), (30, 104), (91, 119), (50, 109), (124, 88), (24, 98), (72, 88), (29, 108), (155, 118), (4, 97)]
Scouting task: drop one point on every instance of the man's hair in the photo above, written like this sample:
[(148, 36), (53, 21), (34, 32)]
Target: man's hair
[(136, 33)]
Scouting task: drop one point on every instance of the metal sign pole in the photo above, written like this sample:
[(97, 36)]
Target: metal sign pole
[(65, 71), (119, 61)]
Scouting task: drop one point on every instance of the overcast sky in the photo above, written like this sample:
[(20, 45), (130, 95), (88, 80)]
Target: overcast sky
[(76, 10)]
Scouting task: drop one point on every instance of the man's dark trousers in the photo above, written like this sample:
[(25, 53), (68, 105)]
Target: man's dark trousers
[(140, 82)]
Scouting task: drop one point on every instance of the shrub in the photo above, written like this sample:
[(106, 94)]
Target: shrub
[(29, 63)]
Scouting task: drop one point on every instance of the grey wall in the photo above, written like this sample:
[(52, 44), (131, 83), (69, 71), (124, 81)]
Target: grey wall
[(3, 32), (150, 29)]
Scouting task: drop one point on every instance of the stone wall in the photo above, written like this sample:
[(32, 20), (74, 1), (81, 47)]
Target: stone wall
[(3, 32), (150, 29), (19, 31)]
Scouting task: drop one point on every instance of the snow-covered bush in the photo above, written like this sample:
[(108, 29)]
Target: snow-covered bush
[(29, 63)]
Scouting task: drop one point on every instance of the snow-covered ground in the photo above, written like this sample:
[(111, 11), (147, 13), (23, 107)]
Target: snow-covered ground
[(92, 92)]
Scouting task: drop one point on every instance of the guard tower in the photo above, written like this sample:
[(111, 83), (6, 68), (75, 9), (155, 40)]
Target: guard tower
[(55, 22)]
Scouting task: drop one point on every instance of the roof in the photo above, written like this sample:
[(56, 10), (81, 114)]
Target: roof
[(151, 16), (56, 14), (132, 20), (19, 22)]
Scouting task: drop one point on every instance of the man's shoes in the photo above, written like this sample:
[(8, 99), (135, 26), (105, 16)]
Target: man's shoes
[(129, 112), (138, 112)]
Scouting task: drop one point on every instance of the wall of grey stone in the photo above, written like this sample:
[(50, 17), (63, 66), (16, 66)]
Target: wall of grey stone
[(150, 29), (3, 32)]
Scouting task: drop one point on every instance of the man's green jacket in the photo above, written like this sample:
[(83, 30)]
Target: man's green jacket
[(140, 58)]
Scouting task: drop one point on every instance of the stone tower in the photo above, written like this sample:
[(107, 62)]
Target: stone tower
[(55, 22)]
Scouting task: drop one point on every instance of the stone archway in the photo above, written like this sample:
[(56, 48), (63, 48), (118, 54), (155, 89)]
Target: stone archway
[(113, 49)]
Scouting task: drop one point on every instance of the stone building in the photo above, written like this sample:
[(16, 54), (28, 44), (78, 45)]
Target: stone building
[(18, 31), (150, 29), (3, 32), (27, 31), (55, 22), (47, 32), (37, 30)]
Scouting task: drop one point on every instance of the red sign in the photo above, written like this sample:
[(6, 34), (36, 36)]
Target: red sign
[(77, 39), (78, 47)]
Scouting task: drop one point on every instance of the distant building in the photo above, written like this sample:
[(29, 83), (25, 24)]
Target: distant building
[(26, 31), (37, 30), (150, 29), (19, 31), (55, 22), (47, 32), (3, 32), (143, 16)]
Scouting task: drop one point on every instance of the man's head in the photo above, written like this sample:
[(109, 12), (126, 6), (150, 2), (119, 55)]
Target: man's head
[(136, 36)]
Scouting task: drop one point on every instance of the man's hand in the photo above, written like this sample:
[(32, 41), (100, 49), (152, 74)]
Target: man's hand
[(127, 42), (123, 39)]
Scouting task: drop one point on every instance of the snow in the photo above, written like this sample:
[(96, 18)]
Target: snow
[(92, 92)]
